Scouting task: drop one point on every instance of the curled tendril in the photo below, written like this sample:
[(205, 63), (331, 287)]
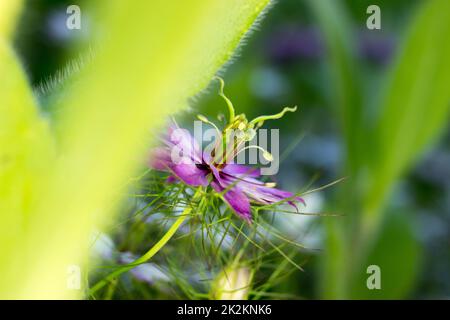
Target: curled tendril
[(229, 104), (258, 122)]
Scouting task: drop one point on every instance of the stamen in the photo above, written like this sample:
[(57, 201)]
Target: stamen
[(250, 134), (270, 184)]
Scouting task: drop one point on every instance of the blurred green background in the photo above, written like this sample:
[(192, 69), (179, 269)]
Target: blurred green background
[(373, 107)]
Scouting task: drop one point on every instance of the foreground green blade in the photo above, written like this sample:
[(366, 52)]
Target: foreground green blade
[(156, 55)]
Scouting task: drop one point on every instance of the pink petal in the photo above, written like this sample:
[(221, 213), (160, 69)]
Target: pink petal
[(241, 171), (217, 176), (237, 200), (171, 179), (185, 142), (160, 159), (190, 174), (268, 195)]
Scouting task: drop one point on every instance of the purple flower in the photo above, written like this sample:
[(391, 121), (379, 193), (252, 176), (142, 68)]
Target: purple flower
[(292, 43), (182, 156)]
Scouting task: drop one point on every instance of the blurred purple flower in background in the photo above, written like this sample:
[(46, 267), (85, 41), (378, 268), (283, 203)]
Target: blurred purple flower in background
[(376, 47), (296, 43)]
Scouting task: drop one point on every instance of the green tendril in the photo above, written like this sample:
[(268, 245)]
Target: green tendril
[(260, 120), (229, 104)]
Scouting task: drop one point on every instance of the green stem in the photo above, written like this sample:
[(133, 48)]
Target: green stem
[(149, 254)]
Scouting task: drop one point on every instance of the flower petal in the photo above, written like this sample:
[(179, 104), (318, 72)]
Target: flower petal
[(268, 195), (241, 171), (186, 144), (160, 159), (237, 200), (218, 178), (171, 179), (190, 174)]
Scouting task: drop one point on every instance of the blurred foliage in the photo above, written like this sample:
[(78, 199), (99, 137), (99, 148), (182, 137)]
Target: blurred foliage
[(99, 129), (413, 109), (371, 104), (397, 252)]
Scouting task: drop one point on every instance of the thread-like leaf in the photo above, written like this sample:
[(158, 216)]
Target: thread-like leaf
[(153, 57)]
